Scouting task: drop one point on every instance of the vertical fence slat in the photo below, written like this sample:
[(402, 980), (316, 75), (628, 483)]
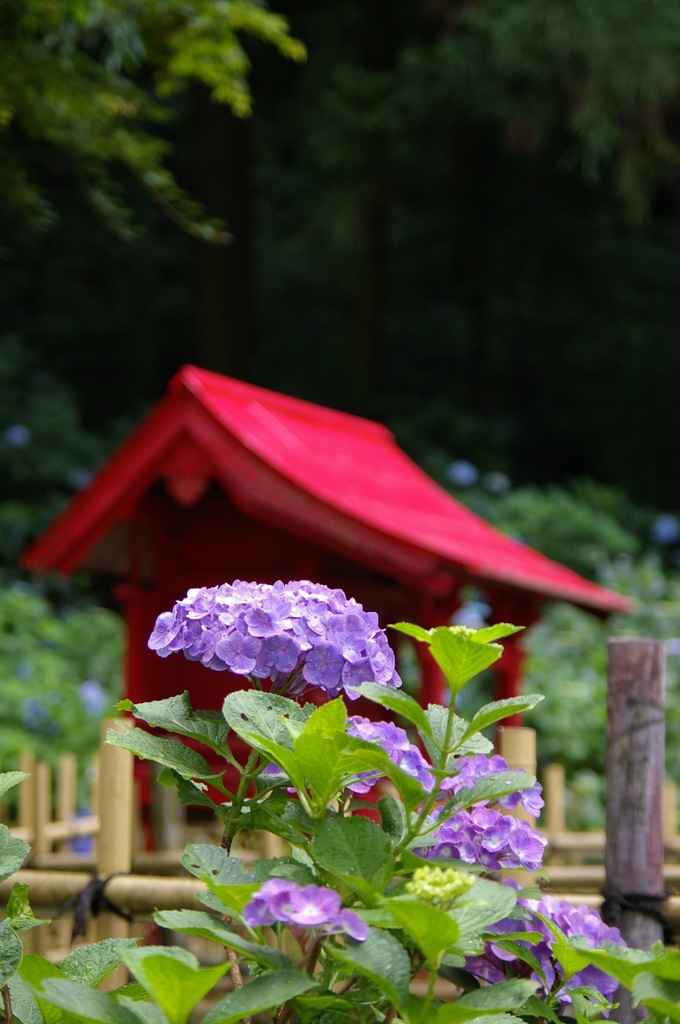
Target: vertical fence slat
[(634, 851), (114, 850), (26, 809), (517, 744)]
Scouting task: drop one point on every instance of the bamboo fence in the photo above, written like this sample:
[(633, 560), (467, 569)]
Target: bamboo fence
[(143, 880)]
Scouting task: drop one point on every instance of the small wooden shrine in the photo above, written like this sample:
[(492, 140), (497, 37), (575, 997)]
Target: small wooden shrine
[(223, 480)]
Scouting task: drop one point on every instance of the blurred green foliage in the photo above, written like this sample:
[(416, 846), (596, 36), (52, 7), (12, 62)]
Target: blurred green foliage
[(60, 673), (90, 81)]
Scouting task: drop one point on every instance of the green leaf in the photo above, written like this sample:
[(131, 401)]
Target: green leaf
[(33, 972), (356, 850), (432, 929), (437, 716), (147, 1012), (19, 912), (10, 952), (666, 965), (224, 875), (263, 993), (383, 960), (175, 714), (24, 1004), (213, 865), (265, 715), (10, 779), (196, 922), (291, 825), (485, 903), (393, 817), (497, 632), (92, 963), (520, 951), (460, 657), (173, 978), (13, 853), (396, 700), (331, 759), (84, 1003), (451, 1013), (660, 995), (491, 787), (190, 793), (410, 629), (186, 762), (621, 962), (503, 995), (498, 710)]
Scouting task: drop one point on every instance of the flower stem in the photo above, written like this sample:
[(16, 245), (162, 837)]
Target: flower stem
[(7, 1003), (440, 767), (249, 772), (430, 994)]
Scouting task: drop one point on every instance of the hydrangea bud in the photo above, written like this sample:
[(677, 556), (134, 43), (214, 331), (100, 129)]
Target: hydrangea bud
[(439, 886)]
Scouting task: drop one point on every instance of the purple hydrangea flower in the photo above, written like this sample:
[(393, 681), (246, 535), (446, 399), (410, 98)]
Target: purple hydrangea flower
[(308, 906), (295, 634), (476, 766), (395, 742), (496, 964), (487, 837)]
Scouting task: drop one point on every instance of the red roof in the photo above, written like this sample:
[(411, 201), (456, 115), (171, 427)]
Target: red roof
[(320, 473)]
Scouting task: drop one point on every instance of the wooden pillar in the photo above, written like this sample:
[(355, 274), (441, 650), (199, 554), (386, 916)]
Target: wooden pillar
[(26, 812), (114, 850), (517, 745), (67, 785), (554, 812), (634, 851)]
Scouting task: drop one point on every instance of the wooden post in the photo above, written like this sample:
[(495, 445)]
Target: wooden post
[(554, 812), (67, 783), (670, 813), (168, 816), (114, 850), (27, 791), (42, 809), (41, 843), (634, 851), (517, 744)]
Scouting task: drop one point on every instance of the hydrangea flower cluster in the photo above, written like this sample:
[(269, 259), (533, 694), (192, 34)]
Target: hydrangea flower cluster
[(309, 906), (474, 767), (487, 837), (294, 634), (496, 964), (395, 742)]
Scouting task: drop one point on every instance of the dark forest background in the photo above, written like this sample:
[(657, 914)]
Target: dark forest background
[(458, 218)]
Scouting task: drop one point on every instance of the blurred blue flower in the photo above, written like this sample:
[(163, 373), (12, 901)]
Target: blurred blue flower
[(473, 614), (94, 698), (461, 473), (34, 715), (665, 529), (78, 477), (497, 483), (17, 435), (82, 844)]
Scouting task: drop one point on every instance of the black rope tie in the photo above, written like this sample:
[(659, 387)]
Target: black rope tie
[(89, 902), (615, 903)]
